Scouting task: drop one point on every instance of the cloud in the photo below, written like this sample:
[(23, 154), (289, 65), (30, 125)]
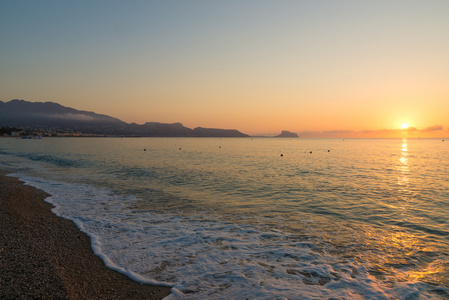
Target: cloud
[(78, 117), (390, 130), (433, 128), (412, 131)]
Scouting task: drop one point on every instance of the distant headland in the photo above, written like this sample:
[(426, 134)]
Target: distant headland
[(287, 134)]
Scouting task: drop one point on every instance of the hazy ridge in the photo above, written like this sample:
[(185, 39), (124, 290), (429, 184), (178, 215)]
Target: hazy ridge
[(50, 115)]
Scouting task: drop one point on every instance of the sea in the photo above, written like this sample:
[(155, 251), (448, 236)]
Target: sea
[(254, 218)]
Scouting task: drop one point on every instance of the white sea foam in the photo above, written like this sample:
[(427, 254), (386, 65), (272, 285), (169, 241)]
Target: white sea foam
[(91, 209), (204, 257)]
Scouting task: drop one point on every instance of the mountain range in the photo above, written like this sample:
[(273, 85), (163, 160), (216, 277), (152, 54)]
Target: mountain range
[(53, 116)]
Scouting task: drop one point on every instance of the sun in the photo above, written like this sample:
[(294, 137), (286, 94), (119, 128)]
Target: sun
[(404, 126)]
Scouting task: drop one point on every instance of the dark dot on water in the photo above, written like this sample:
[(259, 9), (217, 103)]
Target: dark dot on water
[(282, 154), (328, 151), (310, 152), (179, 148), (144, 149)]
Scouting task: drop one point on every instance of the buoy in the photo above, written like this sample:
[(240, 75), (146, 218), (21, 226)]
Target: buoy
[(328, 151), (144, 149), (310, 151), (282, 154), (179, 148)]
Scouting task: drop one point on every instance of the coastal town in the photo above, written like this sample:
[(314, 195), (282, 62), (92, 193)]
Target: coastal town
[(36, 133)]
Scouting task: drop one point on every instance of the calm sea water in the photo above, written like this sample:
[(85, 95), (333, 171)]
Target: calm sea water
[(233, 219)]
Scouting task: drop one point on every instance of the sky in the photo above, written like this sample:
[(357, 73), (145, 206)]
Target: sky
[(324, 68)]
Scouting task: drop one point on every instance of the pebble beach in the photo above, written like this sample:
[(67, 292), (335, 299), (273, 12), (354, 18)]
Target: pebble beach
[(45, 256)]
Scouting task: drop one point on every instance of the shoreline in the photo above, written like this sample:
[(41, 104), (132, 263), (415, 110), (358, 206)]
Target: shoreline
[(46, 256)]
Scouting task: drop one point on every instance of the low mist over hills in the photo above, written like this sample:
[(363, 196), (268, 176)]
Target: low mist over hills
[(53, 116)]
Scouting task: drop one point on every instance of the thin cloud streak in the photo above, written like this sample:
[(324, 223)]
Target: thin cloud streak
[(434, 128), (392, 133)]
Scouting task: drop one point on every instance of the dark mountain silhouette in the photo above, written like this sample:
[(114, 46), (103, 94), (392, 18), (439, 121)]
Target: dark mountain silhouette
[(50, 115), (287, 134), (212, 132)]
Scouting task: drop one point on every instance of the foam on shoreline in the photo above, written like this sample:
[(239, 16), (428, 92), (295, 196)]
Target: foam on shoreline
[(61, 263), (202, 252)]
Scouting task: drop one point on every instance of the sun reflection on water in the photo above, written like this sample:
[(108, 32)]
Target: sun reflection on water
[(400, 256), (399, 253), (403, 167)]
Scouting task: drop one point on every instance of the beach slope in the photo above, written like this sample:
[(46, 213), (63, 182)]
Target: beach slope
[(45, 256)]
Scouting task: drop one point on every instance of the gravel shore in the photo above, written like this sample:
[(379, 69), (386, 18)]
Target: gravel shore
[(43, 256)]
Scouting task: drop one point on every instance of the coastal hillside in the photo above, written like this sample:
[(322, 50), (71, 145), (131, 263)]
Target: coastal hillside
[(53, 116)]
